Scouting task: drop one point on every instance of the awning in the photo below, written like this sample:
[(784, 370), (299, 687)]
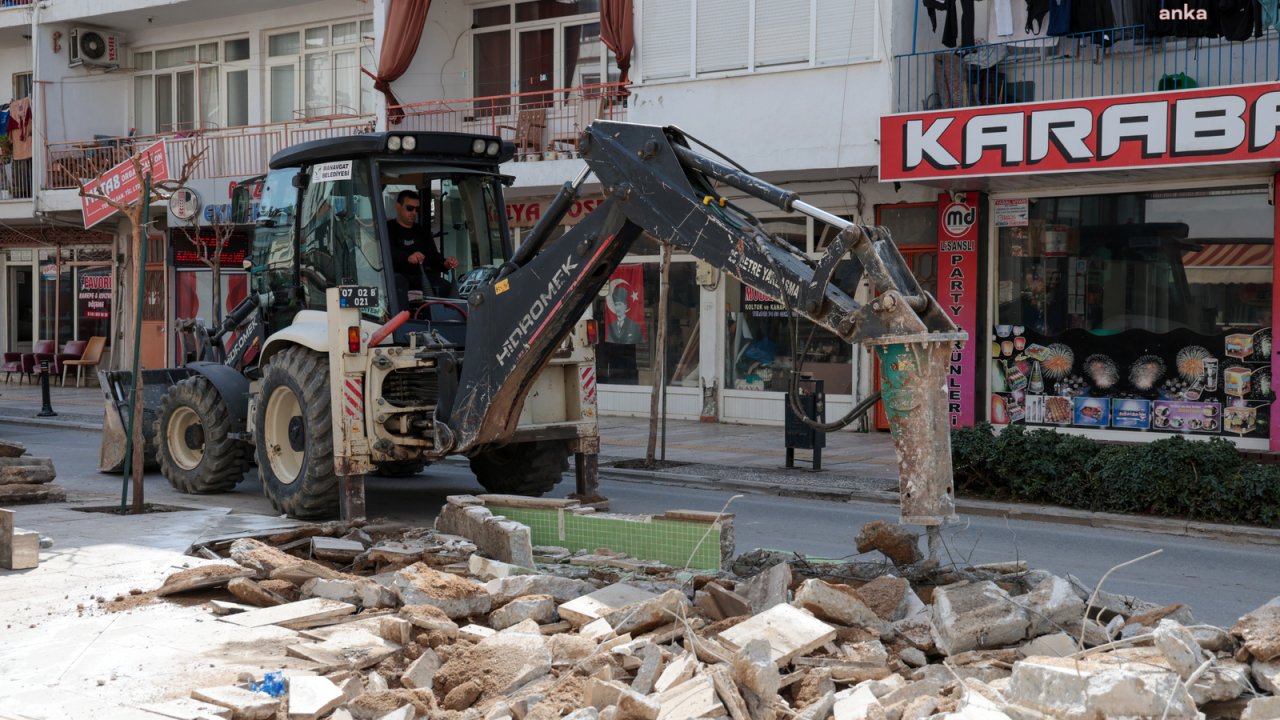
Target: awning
[(1229, 264)]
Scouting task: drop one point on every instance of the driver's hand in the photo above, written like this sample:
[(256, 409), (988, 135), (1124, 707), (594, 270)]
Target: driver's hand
[(450, 263), (417, 258)]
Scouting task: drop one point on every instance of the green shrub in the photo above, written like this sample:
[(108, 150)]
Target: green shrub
[(1174, 477)]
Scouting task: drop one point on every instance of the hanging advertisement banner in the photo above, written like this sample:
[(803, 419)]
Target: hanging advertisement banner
[(122, 183), (958, 294)]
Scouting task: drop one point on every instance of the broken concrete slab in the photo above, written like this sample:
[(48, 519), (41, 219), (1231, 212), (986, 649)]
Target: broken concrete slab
[(886, 596), (201, 577), (768, 588), (12, 449), (594, 605), (354, 650), (788, 631), (19, 549), (1088, 688), (839, 604), (295, 612), (486, 569), (973, 615), (649, 671), (361, 592), (538, 608), (505, 661), (647, 614), (249, 591), (1178, 646), (563, 589), (497, 537), (1262, 708), (1052, 605), (188, 709), (335, 549), (1260, 631), (602, 694), (756, 675), (676, 672), (431, 619), (692, 699), (475, 633), (1267, 675), (270, 562), (857, 703), (26, 470), (421, 673), (419, 584), (895, 542), (243, 704), (311, 697), (1055, 645), (722, 679)]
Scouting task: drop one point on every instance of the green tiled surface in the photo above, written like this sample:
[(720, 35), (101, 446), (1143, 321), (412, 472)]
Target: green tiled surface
[(668, 541)]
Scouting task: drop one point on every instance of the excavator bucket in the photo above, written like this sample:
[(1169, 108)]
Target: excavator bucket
[(913, 388), (117, 386)]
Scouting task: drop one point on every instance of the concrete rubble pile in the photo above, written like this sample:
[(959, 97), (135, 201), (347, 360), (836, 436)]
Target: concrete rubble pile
[(26, 479), (396, 624)]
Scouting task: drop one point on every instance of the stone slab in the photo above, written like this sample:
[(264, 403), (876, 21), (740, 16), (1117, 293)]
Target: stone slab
[(593, 606), (789, 631), (302, 610), (244, 704), (311, 697), (188, 709)]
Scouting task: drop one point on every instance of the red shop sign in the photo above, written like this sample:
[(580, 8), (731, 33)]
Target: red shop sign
[(122, 184), (1187, 127)]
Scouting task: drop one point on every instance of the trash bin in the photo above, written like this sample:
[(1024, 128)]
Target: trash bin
[(813, 401)]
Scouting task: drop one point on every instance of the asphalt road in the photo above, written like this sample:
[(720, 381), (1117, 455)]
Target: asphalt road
[(1219, 581)]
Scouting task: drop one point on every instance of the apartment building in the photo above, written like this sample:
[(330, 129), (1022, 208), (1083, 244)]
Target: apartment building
[(94, 82), (1106, 214)]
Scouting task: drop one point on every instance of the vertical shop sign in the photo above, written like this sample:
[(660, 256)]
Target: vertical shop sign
[(958, 294), (95, 294), (1275, 313)]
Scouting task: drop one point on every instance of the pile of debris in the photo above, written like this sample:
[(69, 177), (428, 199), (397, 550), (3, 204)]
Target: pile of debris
[(395, 624), (26, 479)]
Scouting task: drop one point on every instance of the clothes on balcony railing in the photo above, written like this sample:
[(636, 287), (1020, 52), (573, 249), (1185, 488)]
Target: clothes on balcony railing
[(19, 128)]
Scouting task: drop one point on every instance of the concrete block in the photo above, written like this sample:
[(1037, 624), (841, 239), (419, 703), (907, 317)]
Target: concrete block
[(243, 704), (26, 471), (1260, 632), (419, 584), (22, 551), (839, 604), (422, 672), (1090, 688), (538, 608), (599, 603), (362, 592), (506, 589), (789, 631), (396, 630), (1055, 645), (857, 703), (201, 577), (886, 596), (1262, 708), (507, 662), (1267, 675), (769, 588), (601, 694), (676, 672), (895, 542), (1052, 606), (293, 613), (250, 592), (311, 697), (475, 633), (1178, 646), (650, 613), (336, 549), (1225, 680), (188, 709), (486, 569), (496, 537), (974, 615), (431, 619), (692, 699), (12, 449)]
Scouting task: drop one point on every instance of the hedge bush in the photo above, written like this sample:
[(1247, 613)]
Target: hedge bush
[(1174, 477)]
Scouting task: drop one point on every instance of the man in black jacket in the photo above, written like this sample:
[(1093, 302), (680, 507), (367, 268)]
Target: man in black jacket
[(412, 251)]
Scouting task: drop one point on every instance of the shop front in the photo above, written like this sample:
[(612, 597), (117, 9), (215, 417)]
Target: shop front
[(1130, 274)]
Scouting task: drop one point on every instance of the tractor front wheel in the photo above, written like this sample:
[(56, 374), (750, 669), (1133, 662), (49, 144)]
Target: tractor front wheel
[(192, 428), (294, 435)]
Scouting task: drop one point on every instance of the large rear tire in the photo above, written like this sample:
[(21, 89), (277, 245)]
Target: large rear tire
[(294, 435), (191, 430), (531, 468)]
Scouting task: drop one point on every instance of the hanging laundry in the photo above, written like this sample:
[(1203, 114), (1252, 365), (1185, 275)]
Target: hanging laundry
[(1239, 19), (1270, 13), (1037, 11), (958, 13), (1059, 17), (1091, 16), (1000, 20), (20, 128)]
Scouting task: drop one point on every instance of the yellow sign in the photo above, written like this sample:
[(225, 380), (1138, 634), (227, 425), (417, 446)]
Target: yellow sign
[(502, 286)]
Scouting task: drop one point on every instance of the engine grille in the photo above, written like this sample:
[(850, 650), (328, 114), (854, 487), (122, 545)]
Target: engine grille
[(407, 387)]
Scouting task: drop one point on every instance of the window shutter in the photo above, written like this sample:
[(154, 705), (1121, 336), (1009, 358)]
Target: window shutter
[(723, 27), (782, 32), (846, 31), (664, 39)]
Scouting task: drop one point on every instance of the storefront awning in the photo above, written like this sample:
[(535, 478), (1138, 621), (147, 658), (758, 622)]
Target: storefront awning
[(1229, 263)]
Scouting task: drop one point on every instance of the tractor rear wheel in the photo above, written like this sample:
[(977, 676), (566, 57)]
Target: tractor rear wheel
[(294, 435), (530, 468), (191, 429)]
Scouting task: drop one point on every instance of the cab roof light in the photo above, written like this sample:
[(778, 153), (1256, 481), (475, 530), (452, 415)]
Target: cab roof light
[(393, 143)]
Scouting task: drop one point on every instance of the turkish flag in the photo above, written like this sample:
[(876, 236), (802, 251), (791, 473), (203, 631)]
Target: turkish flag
[(624, 306)]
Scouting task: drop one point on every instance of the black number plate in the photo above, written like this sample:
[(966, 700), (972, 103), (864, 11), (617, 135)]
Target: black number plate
[(357, 297)]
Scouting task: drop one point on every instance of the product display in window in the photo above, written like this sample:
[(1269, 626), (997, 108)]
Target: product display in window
[(1140, 311)]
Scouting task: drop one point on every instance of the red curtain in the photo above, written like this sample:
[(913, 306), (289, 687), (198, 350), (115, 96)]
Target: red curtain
[(400, 37), (617, 30)]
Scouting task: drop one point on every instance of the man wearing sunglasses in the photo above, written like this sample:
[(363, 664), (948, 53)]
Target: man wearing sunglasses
[(411, 248)]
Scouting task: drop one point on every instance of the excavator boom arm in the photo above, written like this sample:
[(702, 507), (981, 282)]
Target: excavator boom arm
[(656, 184)]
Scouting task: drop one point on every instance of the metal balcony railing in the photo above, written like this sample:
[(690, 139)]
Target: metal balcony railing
[(13, 3), (544, 125), (1118, 61), (235, 152)]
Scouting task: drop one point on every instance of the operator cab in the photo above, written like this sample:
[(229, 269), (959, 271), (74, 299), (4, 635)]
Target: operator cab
[(356, 210)]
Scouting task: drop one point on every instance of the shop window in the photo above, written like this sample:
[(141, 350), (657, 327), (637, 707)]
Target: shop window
[(628, 312), (761, 352), (1141, 311)]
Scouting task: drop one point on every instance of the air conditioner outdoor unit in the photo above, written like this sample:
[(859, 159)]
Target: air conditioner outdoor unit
[(90, 46)]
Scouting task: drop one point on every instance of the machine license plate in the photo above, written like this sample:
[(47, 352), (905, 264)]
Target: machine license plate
[(357, 297)]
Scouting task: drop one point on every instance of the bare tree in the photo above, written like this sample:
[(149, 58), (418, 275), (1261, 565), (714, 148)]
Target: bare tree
[(134, 212)]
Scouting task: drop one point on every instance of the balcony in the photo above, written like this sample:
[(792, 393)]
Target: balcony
[(1117, 61), (234, 152), (543, 125)]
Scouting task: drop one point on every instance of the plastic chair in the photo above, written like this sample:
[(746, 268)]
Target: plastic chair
[(73, 350), (42, 350), (531, 123), (91, 357), (12, 364)]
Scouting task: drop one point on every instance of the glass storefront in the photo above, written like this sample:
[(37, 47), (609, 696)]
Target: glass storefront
[(1146, 311), (75, 294)]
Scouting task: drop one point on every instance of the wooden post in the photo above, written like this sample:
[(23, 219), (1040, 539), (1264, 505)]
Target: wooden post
[(660, 351)]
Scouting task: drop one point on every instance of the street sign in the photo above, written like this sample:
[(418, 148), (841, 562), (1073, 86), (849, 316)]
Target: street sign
[(122, 184)]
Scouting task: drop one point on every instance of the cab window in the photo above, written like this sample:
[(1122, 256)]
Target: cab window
[(273, 244), (338, 241)]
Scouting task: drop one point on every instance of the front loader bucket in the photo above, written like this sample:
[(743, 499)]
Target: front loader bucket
[(117, 386), (913, 371)]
